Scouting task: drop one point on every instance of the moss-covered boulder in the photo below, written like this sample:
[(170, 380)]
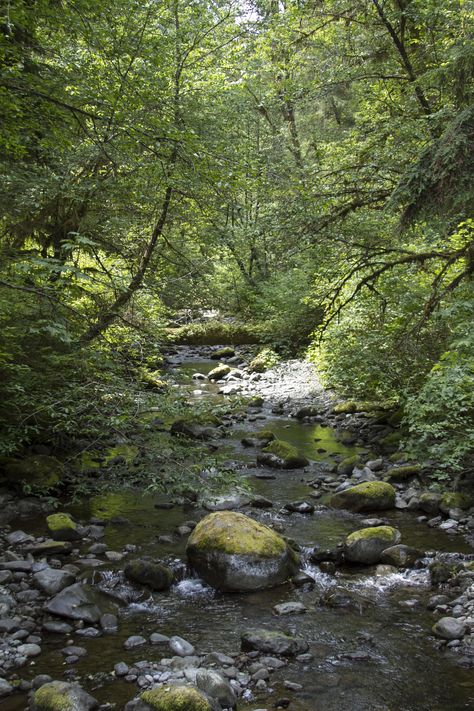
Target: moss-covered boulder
[(226, 352), (282, 455), (367, 545), (152, 379), (146, 572), (391, 442), (62, 527), (455, 500), (235, 553), (346, 467), (265, 360), (176, 698), (38, 472), (220, 372), (429, 502), (368, 496), (63, 696), (403, 473)]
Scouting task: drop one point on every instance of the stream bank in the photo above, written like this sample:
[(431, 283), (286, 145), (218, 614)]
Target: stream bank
[(367, 631)]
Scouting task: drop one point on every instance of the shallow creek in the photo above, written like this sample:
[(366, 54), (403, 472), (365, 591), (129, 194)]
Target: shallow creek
[(396, 668)]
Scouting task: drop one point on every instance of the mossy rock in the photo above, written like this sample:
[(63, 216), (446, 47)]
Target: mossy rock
[(176, 698), (214, 333), (265, 360), (154, 575), (63, 696), (265, 435), (429, 502), (152, 380), (256, 401), (220, 372), (235, 553), (62, 527), (226, 352), (39, 472), (368, 496), (352, 406), (455, 500), (403, 473), (367, 544), (274, 642), (288, 456), (346, 467)]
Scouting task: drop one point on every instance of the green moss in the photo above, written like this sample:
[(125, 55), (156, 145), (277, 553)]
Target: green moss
[(256, 401), (226, 352), (176, 698), (265, 360), (213, 333), (287, 453), (368, 496), (391, 441), (234, 533), (455, 500), (403, 473), (60, 522), (352, 406), (39, 471), (152, 380), (50, 698), (264, 435), (348, 464), (220, 372), (380, 532)]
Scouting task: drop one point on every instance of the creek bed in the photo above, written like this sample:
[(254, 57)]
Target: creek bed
[(396, 665)]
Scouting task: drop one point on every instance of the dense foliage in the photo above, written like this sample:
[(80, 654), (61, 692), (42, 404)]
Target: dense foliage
[(307, 166)]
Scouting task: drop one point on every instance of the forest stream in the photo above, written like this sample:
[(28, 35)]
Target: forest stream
[(370, 645)]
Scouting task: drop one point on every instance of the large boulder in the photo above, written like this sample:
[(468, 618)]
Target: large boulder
[(367, 545), (273, 642), (155, 575), (282, 455), (235, 553), (52, 581), (175, 698), (368, 496), (63, 696), (62, 527), (217, 687), (220, 372), (75, 603)]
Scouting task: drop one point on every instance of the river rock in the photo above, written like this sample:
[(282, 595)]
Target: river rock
[(52, 581), (367, 544), (62, 527), (5, 688), (154, 575), (302, 507), (235, 553), (282, 455), (38, 471), (174, 698), (449, 628), (214, 685), (289, 608), (60, 695), (135, 640), (220, 372), (401, 556), (273, 642), (368, 496), (75, 603), (181, 647)]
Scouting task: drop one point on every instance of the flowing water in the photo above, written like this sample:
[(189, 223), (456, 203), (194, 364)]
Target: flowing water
[(372, 654)]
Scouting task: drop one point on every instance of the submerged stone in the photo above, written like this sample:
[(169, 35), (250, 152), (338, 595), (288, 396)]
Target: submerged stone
[(273, 642)]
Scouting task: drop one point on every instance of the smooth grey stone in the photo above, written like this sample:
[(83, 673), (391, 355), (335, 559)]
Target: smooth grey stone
[(135, 640), (181, 647)]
